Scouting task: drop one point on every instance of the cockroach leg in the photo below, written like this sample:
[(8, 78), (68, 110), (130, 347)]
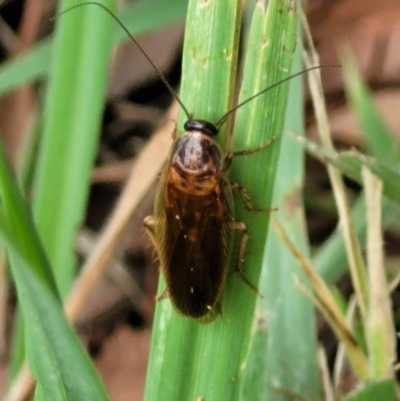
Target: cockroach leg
[(251, 151), (229, 157), (149, 224), (247, 200), (175, 131), (245, 196), (242, 228), (162, 296)]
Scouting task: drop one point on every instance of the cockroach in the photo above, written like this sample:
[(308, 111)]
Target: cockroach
[(193, 215), (193, 212)]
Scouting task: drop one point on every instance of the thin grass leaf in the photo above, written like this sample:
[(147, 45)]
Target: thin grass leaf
[(179, 344), (330, 258), (376, 390), (73, 108), (350, 163), (20, 219), (352, 245), (55, 353), (327, 385), (283, 348), (71, 123), (256, 173), (378, 137), (324, 300), (21, 223), (380, 331), (209, 354), (340, 368)]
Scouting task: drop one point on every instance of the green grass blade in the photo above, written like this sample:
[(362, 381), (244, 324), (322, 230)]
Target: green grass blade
[(212, 356), (178, 344), (71, 123), (350, 163), (56, 356), (139, 18), (269, 54), (73, 109), (20, 220), (379, 139), (259, 121), (380, 329), (330, 258), (373, 391), (283, 352), (29, 67)]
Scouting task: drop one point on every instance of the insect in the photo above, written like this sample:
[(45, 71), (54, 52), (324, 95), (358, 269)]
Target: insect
[(193, 213), (193, 216)]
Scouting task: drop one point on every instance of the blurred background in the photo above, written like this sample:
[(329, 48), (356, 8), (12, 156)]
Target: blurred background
[(116, 323)]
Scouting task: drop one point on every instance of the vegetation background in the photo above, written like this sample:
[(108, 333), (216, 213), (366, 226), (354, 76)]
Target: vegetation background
[(116, 323)]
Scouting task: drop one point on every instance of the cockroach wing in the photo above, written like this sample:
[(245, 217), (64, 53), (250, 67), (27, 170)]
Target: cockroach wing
[(193, 245)]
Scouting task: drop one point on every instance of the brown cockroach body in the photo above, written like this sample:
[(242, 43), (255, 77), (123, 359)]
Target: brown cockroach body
[(193, 215)]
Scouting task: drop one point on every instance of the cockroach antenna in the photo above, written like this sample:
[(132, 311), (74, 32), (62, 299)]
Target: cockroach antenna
[(161, 75), (120, 23)]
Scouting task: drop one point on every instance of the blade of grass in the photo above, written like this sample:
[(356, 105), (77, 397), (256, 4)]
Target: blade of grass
[(376, 390), (380, 330), (213, 355), (330, 258), (327, 385), (352, 245), (285, 327), (350, 163), (56, 356), (20, 219), (379, 139), (209, 60), (140, 17), (268, 60), (73, 108), (324, 300), (71, 122)]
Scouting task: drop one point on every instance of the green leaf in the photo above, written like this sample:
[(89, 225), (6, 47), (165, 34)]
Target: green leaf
[(56, 356), (330, 258), (379, 139), (283, 350), (179, 344), (20, 219), (72, 115), (213, 356), (373, 391), (350, 164)]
